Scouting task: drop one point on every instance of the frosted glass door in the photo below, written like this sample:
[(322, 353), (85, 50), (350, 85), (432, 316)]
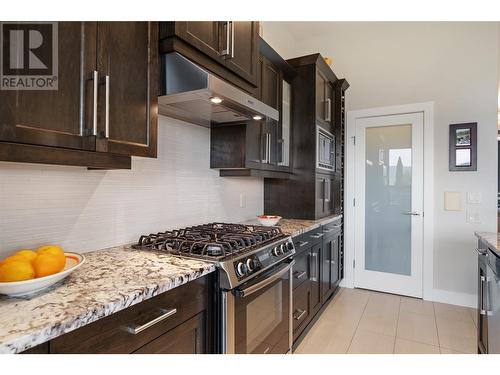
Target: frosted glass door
[(388, 199), (389, 188)]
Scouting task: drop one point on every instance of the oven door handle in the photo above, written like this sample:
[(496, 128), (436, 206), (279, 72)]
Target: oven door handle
[(262, 284)]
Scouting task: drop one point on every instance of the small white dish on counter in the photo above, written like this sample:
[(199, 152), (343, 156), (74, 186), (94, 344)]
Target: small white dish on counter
[(22, 288), (268, 220)]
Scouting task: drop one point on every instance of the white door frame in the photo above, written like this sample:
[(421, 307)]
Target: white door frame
[(427, 108)]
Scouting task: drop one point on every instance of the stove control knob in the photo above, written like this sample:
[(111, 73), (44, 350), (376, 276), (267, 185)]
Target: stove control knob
[(289, 245), (277, 251), (251, 264), (241, 269), (284, 249)]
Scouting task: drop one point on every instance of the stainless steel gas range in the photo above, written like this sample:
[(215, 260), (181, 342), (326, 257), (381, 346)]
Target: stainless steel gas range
[(255, 280)]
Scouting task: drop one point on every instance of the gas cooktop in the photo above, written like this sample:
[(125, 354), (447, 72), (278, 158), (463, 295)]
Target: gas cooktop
[(215, 241), (240, 251)]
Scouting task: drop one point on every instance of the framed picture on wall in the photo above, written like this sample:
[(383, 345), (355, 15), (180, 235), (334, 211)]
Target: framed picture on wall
[(463, 147)]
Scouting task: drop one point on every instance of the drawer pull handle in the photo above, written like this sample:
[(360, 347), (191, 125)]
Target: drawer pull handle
[(300, 315), (302, 243), (327, 230), (301, 275), (135, 329), (319, 235)]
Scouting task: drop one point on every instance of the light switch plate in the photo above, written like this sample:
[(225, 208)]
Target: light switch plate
[(474, 198), (473, 215), (452, 201), (243, 200)]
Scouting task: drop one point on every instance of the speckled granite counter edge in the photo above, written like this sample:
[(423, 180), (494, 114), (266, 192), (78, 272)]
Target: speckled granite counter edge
[(314, 225), (490, 238), (41, 335)]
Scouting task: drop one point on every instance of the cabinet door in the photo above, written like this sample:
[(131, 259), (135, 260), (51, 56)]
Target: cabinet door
[(187, 338), (300, 269), (335, 261), (255, 145), (62, 117), (320, 96), (244, 51), (324, 100), (285, 124), (482, 318), (270, 135), (321, 190), (315, 276), (207, 36), (270, 84), (127, 60)]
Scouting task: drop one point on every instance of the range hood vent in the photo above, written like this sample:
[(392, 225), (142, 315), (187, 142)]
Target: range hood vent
[(188, 92)]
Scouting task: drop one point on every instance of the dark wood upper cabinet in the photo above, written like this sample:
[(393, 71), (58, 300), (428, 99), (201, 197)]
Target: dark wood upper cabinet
[(232, 45), (127, 61), (259, 148), (62, 117), (324, 100), (317, 144), (270, 83), (207, 36), (244, 49), (106, 100)]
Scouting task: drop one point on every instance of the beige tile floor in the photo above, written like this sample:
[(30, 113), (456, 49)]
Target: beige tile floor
[(361, 321)]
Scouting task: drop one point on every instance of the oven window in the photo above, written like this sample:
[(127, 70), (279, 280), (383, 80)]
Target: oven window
[(264, 315)]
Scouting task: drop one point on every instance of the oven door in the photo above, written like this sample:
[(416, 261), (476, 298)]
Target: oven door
[(258, 314)]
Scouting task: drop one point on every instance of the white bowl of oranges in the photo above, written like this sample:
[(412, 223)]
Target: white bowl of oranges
[(28, 271)]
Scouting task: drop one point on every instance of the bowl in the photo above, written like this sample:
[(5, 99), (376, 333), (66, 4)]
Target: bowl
[(268, 220), (21, 288)]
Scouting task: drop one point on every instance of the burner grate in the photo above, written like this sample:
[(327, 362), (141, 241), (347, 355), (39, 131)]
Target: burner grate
[(214, 241)]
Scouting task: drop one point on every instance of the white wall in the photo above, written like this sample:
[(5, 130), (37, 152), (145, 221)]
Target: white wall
[(87, 210), (453, 64)]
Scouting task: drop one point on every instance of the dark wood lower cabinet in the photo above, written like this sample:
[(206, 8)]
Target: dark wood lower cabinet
[(317, 274), (187, 338), (187, 326)]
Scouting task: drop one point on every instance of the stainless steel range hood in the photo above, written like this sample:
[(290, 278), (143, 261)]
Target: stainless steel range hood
[(189, 93)]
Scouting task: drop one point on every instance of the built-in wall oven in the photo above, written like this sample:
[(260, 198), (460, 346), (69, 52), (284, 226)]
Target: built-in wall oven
[(325, 146), (257, 315)]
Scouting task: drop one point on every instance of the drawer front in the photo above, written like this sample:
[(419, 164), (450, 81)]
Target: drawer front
[(332, 227), (304, 241), (301, 269), (111, 334), (301, 308), (186, 338)]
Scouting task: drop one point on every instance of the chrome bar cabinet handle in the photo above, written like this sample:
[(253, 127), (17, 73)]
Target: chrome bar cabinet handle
[(95, 84), (300, 275), (482, 310), (136, 329), (328, 103), (106, 118), (300, 315), (225, 51)]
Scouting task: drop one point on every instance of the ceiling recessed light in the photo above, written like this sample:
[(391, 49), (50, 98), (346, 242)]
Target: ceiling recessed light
[(216, 100), (257, 117)]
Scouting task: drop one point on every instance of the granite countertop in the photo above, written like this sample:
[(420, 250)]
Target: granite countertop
[(491, 238), (295, 227), (110, 280)]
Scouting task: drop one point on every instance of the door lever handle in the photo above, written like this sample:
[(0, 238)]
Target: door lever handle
[(411, 213)]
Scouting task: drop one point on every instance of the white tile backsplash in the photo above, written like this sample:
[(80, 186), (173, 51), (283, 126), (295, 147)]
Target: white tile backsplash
[(86, 210)]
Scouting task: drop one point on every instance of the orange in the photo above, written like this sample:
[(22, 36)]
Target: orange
[(47, 264), (53, 250), (15, 258), (16, 271), (30, 255)]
